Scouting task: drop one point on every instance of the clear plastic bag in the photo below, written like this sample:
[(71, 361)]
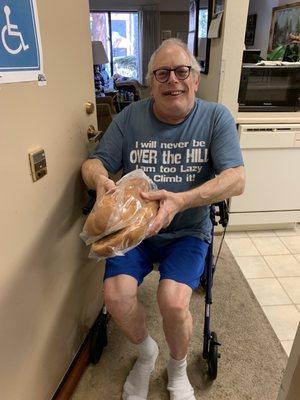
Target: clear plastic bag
[(119, 219), (118, 243)]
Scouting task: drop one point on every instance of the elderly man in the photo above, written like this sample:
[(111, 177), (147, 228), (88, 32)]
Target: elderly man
[(189, 147)]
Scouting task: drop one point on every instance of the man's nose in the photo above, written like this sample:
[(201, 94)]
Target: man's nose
[(172, 77)]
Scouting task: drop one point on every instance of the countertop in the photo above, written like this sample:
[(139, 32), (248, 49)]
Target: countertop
[(268, 117)]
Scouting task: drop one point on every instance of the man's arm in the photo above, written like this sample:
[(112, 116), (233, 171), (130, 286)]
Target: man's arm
[(95, 176), (228, 183)]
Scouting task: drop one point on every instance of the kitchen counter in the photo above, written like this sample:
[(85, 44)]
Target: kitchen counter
[(268, 117)]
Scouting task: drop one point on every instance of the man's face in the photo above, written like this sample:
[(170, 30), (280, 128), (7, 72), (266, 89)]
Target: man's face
[(174, 98)]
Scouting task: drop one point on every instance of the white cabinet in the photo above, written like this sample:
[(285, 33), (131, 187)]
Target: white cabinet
[(272, 161)]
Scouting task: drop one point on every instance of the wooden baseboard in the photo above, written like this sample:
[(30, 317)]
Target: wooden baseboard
[(74, 373)]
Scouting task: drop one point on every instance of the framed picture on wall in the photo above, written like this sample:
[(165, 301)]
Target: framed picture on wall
[(285, 21), (219, 6), (166, 34)]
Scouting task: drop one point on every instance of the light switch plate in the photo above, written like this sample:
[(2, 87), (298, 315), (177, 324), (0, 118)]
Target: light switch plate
[(37, 159)]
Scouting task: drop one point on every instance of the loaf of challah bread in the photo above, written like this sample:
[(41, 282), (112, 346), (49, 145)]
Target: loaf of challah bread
[(115, 210), (126, 238)]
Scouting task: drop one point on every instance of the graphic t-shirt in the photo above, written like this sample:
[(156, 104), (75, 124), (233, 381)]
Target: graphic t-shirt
[(176, 157)]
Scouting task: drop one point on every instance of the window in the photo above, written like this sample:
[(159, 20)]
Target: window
[(203, 15), (119, 33)]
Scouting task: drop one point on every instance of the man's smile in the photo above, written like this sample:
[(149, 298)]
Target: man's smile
[(173, 92)]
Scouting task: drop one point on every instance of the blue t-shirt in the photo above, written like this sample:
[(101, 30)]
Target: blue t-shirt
[(176, 157)]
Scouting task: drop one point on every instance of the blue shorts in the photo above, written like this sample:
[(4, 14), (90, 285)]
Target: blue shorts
[(181, 260)]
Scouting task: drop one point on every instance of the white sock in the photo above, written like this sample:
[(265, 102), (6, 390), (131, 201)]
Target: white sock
[(178, 382), (137, 383)]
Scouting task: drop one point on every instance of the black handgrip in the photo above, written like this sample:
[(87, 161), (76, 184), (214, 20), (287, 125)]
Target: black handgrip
[(90, 203), (223, 213)]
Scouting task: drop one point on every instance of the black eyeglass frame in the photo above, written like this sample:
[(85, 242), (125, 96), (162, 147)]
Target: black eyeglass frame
[(169, 70)]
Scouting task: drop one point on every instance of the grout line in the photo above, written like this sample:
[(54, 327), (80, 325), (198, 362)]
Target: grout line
[(282, 289), (262, 306), (257, 255), (266, 277), (285, 245), (286, 292), (255, 247), (273, 254), (279, 285), (281, 305), (277, 305), (284, 276), (258, 236)]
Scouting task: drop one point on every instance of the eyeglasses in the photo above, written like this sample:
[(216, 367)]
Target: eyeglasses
[(163, 74)]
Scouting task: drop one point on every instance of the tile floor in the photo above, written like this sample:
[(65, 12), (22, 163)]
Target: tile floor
[(270, 261)]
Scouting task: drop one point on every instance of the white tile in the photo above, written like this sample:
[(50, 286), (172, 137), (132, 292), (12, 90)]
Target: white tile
[(297, 256), (270, 246), (254, 267), (287, 345), (283, 265), (292, 243), (260, 233), (292, 287), (236, 234), (242, 247), (288, 232), (284, 320), (269, 292)]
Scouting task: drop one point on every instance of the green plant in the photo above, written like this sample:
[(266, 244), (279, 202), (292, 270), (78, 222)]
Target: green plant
[(276, 54), (287, 52), (292, 52)]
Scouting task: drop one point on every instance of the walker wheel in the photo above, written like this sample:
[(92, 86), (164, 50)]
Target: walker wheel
[(213, 356)]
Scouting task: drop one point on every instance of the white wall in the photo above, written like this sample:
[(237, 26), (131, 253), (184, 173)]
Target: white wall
[(222, 82), (232, 50), (263, 9), (163, 5), (209, 84)]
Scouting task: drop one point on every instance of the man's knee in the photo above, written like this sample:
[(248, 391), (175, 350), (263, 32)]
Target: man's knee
[(174, 301), (120, 294)]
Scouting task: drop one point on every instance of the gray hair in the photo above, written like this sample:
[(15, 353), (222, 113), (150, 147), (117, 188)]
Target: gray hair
[(169, 42)]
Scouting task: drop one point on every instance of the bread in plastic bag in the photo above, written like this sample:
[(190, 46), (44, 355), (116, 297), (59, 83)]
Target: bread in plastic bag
[(116, 208), (118, 243), (121, 209)]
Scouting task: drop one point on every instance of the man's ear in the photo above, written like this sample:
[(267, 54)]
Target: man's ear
[(197, 82), (151, 88)]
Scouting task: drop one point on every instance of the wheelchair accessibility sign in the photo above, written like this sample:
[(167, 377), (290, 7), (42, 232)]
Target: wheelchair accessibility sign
[(20, 43)]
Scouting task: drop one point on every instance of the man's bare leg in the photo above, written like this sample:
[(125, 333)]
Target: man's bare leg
[(120, 296), (173, 299)]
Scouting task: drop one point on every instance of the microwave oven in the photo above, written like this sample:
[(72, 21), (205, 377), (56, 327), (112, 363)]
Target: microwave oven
[(269, 88)]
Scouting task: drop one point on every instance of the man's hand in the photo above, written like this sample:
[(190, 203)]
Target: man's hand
[(96, 177), (169, 205), (103, 185)]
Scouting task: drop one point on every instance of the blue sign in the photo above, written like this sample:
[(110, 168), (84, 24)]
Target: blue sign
[(19, 39)]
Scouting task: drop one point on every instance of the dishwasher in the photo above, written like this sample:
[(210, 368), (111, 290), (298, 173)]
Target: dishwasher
[(272, 162)]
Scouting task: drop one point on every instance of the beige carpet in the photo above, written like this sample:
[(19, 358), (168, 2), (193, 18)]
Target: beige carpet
[(252, 359)]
